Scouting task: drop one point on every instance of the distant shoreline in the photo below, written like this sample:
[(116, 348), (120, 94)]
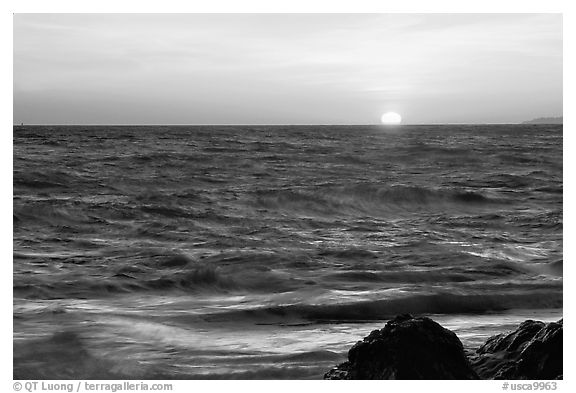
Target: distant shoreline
[(545, 120)]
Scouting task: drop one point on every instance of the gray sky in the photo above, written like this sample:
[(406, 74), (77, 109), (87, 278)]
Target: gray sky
[(286, 68)]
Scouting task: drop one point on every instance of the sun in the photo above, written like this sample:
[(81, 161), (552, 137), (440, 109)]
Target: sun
[(391, 118)]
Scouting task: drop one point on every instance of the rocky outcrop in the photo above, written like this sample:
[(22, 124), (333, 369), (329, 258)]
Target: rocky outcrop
[(532, 351), (418, 348), (406, 348)]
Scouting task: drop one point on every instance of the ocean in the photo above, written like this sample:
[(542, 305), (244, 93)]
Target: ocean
[(266, 252)]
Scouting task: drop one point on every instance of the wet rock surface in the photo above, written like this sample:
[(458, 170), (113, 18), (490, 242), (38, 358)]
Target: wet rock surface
[(419, 348), (532, 351), (406, 348)]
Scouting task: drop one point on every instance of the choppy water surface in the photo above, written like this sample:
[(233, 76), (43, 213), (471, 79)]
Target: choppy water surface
[(265, 252)]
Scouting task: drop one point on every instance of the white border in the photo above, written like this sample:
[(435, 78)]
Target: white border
[(335, 6), (284, 6)]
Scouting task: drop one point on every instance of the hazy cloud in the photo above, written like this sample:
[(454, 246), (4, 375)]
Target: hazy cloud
[(285, 68)]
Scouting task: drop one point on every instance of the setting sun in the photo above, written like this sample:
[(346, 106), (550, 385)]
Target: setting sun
[(391, 118)]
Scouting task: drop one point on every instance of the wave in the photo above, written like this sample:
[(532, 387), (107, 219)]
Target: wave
[(347, 253), (437, 151), (402, 277), (38, 183), (53, 213), (198, 277), (51, 179), (176, 273), (437, 303), (370, 198), (203, 278), (554, 268)]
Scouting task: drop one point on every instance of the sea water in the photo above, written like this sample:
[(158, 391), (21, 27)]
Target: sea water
[(267, 251)]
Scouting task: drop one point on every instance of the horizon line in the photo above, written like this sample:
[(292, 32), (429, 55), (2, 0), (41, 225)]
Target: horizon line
[(270, 124)]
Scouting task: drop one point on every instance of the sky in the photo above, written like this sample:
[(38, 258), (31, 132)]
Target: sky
[(286, 68)]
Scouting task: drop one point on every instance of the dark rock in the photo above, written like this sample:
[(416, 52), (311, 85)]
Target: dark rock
[(419, 348), (532, 351), (406, 348)]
